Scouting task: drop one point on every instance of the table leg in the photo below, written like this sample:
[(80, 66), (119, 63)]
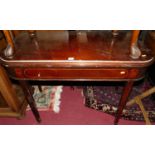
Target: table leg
[(28, 94), (123, 100), (40, 89)]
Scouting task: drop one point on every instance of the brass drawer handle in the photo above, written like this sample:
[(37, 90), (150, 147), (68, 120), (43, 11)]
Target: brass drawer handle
[(122, 72)]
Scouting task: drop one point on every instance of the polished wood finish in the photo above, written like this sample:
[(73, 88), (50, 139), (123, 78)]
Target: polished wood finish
[(3, 42), (28, 94), (7, 91), (134, 38), (150, 41), (10, 106), (9, 38), (74, 74), (32, 33), (50, 51), (13, 107), (96, 56), (125, 95)]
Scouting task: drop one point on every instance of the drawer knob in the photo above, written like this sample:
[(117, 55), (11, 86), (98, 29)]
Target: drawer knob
[(38, 74), (122, 72)]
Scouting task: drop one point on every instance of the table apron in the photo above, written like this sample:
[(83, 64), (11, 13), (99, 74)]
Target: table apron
[(77, 73)]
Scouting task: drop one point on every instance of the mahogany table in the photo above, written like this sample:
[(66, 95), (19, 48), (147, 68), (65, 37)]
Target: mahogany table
[(99, 56)]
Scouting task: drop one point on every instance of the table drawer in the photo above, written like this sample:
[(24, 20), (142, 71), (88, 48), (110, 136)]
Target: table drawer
[(43, 73)]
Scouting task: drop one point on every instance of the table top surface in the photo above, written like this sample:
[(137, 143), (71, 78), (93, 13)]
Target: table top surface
[(99, 47)]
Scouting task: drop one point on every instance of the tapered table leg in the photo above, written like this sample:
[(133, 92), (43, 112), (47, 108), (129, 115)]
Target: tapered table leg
[(28, 94), (125, 95), (40, 89)]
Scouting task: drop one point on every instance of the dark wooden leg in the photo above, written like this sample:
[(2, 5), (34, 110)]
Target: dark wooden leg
[(72, 34), (123, 100), (40, 89), (28, 94)]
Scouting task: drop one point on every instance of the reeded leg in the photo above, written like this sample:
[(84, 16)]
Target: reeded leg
[(28, 94), (125, 95)]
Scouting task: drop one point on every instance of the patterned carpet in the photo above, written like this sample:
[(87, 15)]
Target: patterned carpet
[(106, 98), (48, 99), (103, 98)]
